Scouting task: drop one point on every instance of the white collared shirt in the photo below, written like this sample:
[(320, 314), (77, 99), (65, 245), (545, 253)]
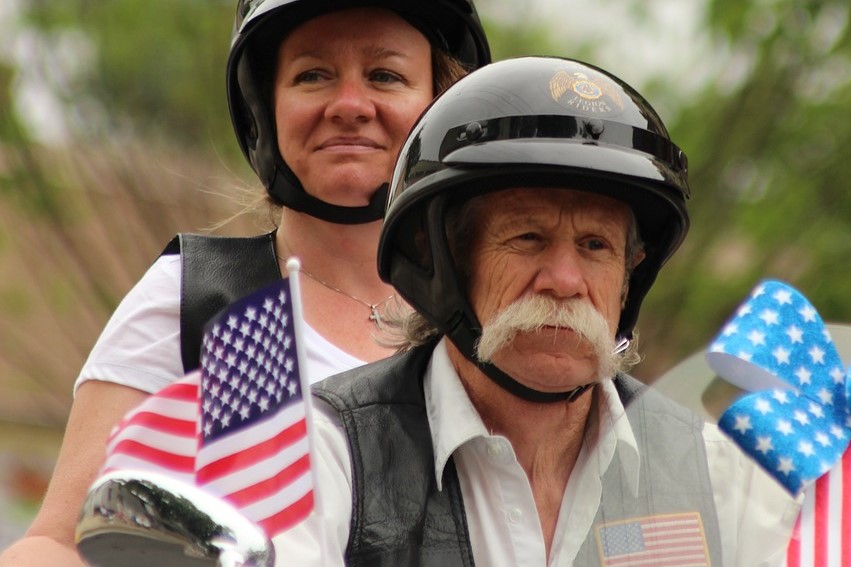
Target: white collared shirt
[(755, 514)]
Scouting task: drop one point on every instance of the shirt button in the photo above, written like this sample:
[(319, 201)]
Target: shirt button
[(514, 515), (494, 450)]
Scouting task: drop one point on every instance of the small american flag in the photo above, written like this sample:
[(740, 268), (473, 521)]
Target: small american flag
[(254, 448), (237, 427), (655, 541)]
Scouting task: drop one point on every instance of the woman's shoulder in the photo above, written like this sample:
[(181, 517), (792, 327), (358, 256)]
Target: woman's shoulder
[(163, 273), (140, 344)]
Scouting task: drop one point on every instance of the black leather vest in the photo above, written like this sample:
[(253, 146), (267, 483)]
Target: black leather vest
[(398, 515), (216, 271), (400, 518)]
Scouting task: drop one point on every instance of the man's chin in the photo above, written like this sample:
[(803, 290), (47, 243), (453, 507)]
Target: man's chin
[(560, 345), (549, 372)]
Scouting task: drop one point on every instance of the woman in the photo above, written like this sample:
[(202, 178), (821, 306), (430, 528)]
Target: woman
[(322, 94)]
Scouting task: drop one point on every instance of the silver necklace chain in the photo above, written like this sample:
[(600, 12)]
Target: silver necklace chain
[(374, 315)]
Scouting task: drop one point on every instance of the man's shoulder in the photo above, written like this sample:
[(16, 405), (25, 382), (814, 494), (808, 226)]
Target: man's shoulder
[(639, 397), (396, 379)]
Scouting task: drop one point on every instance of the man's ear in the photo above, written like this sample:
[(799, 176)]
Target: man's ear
[(637, 258)]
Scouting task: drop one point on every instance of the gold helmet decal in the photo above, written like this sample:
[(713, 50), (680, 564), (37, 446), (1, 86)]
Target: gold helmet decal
[(595, 95)]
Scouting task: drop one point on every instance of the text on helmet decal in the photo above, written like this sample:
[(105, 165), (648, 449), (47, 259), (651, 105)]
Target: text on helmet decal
[(596, 95)]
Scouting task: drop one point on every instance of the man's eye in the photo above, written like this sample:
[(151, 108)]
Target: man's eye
[(529, 237), (526, 239), (596, 244)]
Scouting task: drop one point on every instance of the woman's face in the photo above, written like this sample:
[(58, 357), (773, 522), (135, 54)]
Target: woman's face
[(350, 85)]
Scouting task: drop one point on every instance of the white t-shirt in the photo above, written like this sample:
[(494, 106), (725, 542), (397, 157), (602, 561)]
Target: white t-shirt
[(140, 345), (755, 514)]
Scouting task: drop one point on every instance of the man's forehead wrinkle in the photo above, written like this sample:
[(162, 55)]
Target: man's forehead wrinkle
[(555, 215), (550, 209)]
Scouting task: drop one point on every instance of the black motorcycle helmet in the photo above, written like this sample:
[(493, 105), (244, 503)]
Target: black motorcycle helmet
[(527, 122), (452, 26)]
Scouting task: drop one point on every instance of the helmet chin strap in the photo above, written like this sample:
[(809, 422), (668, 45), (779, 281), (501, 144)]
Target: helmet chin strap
[(338, 214), (536, 396), (523, 392), (287, 189)]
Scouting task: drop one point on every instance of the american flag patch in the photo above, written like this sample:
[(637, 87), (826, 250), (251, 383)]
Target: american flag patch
[(657, 541)]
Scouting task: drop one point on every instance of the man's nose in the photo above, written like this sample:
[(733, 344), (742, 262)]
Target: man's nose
[(560, 273), (350, 102)]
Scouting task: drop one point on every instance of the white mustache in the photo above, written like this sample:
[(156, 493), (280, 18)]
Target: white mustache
[(534, 312)]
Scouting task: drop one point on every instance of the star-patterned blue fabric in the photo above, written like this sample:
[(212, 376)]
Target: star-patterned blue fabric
[(795, 421), (249, 367)]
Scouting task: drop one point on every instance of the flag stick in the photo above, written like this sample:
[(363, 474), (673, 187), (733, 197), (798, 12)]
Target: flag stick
[(293, 268)]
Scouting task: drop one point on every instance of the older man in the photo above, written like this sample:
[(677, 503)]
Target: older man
[(532, 207)]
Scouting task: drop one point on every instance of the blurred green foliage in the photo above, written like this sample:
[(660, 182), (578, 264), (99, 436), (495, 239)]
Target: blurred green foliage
[(157, 71), (769, 173)]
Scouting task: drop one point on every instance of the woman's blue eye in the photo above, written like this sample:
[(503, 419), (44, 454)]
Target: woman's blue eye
[(385, 77), (307, 76)]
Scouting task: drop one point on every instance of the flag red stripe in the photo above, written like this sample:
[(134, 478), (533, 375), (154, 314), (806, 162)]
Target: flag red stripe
[(664, 539), (163, 423), (669, 524), (271, 485), (252, 455), (653, 561), (676, 550), (656, 560), (673, 557), (677, 545), (289, 516), (160, 458), (793, 552), (845, 469), (820, 521), (185, 389)]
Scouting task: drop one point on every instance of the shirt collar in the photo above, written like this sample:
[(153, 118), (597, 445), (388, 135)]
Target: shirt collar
[(451, 414), (610, 434), (454, 420)]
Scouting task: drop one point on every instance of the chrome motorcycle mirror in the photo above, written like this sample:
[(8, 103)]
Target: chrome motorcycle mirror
[(138, 519)]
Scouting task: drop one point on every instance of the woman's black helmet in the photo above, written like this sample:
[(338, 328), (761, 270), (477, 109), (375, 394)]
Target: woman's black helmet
[(450, 25)]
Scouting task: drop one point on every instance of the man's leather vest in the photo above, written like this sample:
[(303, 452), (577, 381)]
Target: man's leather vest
[(400, 518), (216, 271)]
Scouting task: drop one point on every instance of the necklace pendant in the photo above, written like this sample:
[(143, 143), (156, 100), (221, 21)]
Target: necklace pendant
[(374, 316)]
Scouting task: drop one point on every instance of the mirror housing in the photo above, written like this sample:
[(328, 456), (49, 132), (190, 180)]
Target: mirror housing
[(135, 518)]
